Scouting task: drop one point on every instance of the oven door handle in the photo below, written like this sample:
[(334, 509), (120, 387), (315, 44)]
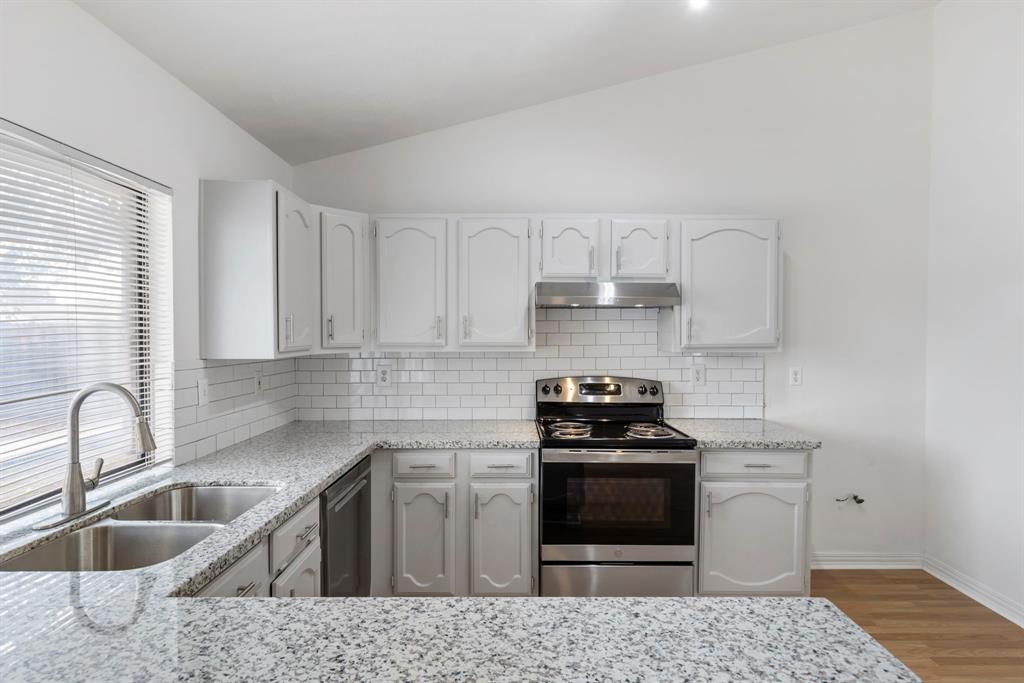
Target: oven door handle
[(568, 455)]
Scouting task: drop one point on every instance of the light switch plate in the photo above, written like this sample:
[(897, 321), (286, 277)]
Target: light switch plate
[(204, 391), (258, 382), (384, 370), (796, 377)]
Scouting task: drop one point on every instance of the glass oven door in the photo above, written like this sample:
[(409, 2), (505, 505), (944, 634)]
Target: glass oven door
[(618, 506)]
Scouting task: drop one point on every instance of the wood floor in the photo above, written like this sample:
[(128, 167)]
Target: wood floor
[(940, 633)]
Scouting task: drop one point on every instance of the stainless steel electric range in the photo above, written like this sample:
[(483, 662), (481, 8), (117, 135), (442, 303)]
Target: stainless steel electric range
[(618, 490)]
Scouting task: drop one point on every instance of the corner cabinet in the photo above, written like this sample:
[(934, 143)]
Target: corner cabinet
[(753, 523), (257, 243), (569, 247), (730, 280), (342, 292), (411, 283), (500, 544), (639, 248), (494, 281), (424, 539)]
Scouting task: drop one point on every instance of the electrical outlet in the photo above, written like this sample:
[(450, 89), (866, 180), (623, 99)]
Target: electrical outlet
[(796, 377), (700, 375), (204, 391), (258, 381), (384, 372)]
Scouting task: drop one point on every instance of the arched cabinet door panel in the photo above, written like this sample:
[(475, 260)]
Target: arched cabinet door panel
[(342, 235), (494, 281), (569, 247), (752, 537), (296, 278), (501, 542), (639, 248), (730, 282), (411, 281), (424, 537)]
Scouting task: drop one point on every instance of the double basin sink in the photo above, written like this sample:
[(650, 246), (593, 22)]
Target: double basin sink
[(147, 532)]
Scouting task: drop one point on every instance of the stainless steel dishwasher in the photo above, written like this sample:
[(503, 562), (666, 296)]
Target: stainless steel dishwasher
[(345, 514)]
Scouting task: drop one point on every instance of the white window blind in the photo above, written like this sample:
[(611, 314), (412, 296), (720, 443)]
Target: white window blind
[(85, 296)]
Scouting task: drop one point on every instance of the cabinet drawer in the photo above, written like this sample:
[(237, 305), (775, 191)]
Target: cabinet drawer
[(424, 464), (301, 579), (245, 578), (289, 539), (499, 463), (754, 463)]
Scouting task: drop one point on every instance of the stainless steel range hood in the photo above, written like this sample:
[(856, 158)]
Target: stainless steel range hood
[(607, 294)]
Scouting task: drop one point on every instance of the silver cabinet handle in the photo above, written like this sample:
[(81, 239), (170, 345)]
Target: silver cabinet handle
[(246, 591), (288, 332), (500, 467), (437, 326), (618, 260), (330, 328), (591, 270), (758, 466), (446, 505), (689, 329), (709, 503), (476, 505), (465, 327), (422, 467), (308, 534)]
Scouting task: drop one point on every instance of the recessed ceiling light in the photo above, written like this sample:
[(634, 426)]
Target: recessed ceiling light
[(698, 5)]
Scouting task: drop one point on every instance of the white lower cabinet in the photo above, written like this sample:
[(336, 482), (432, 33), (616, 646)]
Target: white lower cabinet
[(424, 538), (249, 577), (301, 578), (501, 545), (753, 538)]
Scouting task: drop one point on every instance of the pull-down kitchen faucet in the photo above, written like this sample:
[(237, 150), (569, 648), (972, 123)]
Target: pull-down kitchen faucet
[(75, 485)]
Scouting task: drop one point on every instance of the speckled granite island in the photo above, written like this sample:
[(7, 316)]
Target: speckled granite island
[(129, 626)]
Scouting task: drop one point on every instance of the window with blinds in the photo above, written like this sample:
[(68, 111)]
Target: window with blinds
[(85, 296)]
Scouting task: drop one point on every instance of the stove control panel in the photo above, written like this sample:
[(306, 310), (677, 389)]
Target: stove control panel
[(599, 390)]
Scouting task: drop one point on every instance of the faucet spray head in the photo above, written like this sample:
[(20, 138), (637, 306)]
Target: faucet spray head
[(146, 440)]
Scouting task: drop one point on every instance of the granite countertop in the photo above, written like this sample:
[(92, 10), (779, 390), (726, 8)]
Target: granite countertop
[(721, 434), (128, 626)]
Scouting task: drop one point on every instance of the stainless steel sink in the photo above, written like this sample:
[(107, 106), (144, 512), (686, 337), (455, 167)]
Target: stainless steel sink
[(111, 546), (197, 504)]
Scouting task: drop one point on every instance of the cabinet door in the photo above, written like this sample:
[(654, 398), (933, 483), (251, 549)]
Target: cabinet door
[(752, 538), (494, 281), (247, 577), (730, 277), (411, 281), (501, 542), (424, 538), (302, 577), (639, 248), (296, 273), (569, 247), (341, 278)]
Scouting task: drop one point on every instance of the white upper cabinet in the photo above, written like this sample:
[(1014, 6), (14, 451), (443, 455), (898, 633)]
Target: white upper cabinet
[(342, 235), (296, 280), (494, 281), (258, 275), (752, 538), (639, 248), (730, 284), (569, 247), (411, 294)]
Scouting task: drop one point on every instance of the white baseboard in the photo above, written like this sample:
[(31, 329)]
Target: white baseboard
[(993, 599), (866, 561)]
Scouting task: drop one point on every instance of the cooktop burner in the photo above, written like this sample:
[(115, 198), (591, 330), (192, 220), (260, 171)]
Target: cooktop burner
[(648, 430)]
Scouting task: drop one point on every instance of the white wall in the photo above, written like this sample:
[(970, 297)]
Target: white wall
[(975, 356), (831, 134), (65, 75)]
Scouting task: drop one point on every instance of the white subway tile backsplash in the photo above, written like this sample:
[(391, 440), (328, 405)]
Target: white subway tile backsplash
[(489, 385)]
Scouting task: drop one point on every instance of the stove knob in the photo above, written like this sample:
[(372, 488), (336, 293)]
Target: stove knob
[(545, 390), (641, 390), (558, 388), (654, 390)]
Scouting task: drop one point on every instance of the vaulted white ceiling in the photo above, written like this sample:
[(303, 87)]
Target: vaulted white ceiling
[(311, 79)]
